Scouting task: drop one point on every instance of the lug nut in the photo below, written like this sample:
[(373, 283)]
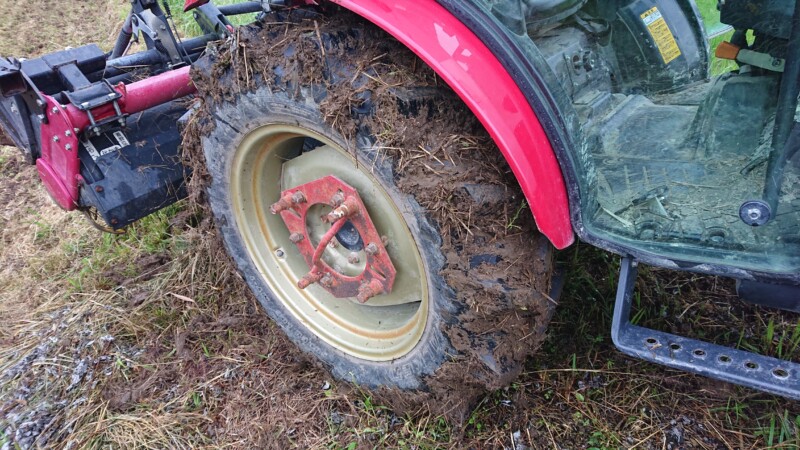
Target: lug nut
[(280, 253), (369, 290), (55, 139), (371, 249), (298, 197), (296, 237), (337, 199), (353, 258), (327, 281)]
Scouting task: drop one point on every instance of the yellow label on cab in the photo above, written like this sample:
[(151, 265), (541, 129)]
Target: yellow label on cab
[(662, 35)]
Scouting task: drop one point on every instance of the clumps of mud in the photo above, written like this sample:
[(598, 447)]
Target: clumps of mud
[(496, 262)]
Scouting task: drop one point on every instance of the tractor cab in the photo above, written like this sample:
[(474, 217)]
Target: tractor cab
[(676, 131), (684, 153)]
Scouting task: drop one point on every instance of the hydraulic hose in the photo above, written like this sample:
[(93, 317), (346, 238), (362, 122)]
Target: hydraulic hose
[(123, 39), (240, 8)]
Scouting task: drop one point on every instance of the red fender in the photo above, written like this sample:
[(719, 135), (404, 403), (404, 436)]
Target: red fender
[(472, 70)]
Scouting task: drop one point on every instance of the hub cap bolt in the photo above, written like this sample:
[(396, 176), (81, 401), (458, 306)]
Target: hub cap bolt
[(371, 249), (353, 258), (296, 238)]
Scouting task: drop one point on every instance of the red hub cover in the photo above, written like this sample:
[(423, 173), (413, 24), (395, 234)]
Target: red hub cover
[(294, 205)]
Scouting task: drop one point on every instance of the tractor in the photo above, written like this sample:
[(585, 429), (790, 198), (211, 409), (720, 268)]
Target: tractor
[(392, 178)]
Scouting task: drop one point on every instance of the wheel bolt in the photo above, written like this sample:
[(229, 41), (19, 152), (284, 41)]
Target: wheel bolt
[(298, 197), (309, 279), (287, 201), (353, 258), (369, 290), (337, 199), (327, 281), (371, 249), (296, 237)]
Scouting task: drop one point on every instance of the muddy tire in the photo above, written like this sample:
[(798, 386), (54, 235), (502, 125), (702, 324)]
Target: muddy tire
[(469, 303)]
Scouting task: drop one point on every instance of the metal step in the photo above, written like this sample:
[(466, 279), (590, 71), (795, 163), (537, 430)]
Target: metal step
[(715, 361)]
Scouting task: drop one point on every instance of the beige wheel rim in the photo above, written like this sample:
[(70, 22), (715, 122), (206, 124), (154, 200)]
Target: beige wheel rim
[(269, 161)]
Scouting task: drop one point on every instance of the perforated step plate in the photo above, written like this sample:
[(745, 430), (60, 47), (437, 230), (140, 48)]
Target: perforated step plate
[(735, 366)]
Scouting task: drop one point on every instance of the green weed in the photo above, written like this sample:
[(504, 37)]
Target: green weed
[(188, 27)]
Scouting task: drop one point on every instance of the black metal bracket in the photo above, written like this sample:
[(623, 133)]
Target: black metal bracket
[(781, 296), (715, 361), (212, 20)]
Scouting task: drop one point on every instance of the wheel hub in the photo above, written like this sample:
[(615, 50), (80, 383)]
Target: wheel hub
[(349, 221)]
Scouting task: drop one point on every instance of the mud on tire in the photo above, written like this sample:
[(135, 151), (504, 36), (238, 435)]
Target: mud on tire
[(278, 105)]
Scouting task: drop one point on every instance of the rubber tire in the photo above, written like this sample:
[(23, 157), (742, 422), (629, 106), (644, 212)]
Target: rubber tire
[(263, 107), (456, 348)]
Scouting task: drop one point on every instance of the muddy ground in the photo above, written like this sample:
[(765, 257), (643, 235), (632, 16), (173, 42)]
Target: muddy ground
[(127, 341)]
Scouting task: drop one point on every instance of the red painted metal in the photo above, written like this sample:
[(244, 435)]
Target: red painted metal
[(316, 259), (59, 167), (470, 68), (156, 90), (139, 96), (379, 272), (189, 5)]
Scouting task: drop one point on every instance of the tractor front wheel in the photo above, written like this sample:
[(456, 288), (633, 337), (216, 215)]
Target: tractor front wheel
[(459, 299)]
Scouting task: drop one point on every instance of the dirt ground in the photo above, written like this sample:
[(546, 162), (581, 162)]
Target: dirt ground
[(127, 342)]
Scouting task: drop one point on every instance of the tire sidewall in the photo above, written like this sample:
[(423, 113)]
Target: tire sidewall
[(250, 111)]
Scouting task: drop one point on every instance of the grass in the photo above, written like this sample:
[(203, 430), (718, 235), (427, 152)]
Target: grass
[(188, 27), (178, 355), (584, 354)]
